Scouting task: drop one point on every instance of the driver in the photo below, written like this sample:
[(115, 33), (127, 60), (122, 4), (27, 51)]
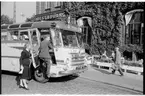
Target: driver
[(45, 46)]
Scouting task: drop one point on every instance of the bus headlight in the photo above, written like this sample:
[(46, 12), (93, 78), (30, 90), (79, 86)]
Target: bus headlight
[(53, 24), (67, 61)]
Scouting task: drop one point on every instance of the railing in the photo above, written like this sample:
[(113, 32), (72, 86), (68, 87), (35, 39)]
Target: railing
[(138, 70)]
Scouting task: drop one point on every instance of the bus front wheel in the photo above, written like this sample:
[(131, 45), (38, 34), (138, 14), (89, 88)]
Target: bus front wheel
[(40, 75)]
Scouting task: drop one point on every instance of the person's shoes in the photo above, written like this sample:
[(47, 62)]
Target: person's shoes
[(21, 86), (121, 75), (26, 82), (53, 74), (113, 72), (48, 76), (26, 88)]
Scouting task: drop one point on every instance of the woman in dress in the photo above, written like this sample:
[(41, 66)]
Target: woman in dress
[(25, 66)]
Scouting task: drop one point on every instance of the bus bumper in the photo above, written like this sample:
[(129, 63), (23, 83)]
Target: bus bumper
[(77, 70)]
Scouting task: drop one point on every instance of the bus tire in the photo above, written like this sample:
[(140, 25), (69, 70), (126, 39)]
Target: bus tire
[(40, 75)]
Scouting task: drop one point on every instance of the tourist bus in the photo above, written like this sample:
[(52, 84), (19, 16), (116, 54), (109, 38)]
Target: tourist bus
[(68, 54)]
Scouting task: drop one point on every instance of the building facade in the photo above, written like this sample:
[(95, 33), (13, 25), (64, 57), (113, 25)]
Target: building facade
[(56, 11), (43, 7), (133, 30), (52, 11)]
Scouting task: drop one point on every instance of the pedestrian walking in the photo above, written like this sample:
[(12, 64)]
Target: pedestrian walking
[(117, 62), (113, 55), (25, 66), (104, 54), (44, 55)]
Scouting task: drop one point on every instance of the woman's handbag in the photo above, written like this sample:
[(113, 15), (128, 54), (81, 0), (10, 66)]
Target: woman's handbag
[(21, 69)]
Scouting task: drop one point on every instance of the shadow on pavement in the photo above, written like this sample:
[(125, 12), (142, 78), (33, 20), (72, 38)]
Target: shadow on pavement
[(10, 73), (63, 79), (119, 86), (58, 79), (13, 74), (101, 70)]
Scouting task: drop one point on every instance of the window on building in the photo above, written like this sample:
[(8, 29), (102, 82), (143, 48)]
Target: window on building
[(134, 30), (85, 34), (57, 4), (42, 7), (45, 5), (39, 7), (48, 5), (73, 20)]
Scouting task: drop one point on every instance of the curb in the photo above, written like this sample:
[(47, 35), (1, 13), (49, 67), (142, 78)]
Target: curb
[(117, 85)]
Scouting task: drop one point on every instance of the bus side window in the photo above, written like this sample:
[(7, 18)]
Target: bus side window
[(34, 37), (24, 35), (44, 32), (56, 37), (3, 36), (13, 35)]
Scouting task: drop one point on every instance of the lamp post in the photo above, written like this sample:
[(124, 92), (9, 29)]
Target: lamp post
[(14, 12), (22, 15)]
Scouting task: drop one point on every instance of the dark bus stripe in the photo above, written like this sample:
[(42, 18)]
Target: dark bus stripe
[(21, 48), (10, 56), (12, 41), (59, 60)]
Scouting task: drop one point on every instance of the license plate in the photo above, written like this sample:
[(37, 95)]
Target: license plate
[(80, 67)]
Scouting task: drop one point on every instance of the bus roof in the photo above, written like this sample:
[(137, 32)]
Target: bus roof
[(42, 24)]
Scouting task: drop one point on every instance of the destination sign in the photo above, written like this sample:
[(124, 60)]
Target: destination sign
[(50, 16)]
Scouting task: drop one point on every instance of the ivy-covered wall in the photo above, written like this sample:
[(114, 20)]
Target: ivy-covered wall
[(108, 24)]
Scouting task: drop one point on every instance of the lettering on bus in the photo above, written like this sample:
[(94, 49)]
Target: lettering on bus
[(53, 16)]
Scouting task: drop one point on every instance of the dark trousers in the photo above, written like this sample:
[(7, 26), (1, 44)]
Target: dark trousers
[(117, 67), (48, 65), (36, 60)]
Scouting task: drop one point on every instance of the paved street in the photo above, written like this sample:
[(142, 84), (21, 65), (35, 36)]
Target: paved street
[(63, 85), (131, 81)]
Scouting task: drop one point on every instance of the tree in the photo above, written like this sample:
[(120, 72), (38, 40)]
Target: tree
[(105, 27), (6, 20), (31, 19), (107, 20)]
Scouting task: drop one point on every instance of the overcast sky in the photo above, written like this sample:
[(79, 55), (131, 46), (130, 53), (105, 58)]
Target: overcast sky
[(26, 8)]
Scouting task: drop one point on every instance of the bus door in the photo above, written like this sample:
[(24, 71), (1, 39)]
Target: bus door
[(57, 43), (34, 39)]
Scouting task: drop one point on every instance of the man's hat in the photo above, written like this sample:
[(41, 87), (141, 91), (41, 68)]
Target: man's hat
[(117, 48), (45, 36)]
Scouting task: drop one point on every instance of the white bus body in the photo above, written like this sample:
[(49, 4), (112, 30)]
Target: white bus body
[(68, 52)]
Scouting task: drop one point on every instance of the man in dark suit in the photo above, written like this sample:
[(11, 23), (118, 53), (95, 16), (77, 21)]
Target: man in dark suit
[(45, 46), (117, 61)]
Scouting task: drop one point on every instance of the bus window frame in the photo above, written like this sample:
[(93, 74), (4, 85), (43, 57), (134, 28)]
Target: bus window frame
[(4, 35), (53, 38), (37, 34), (19, 34), (10, 33), (78, 45)]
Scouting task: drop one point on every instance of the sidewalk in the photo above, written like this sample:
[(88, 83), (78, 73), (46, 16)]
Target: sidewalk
[(130, 81)]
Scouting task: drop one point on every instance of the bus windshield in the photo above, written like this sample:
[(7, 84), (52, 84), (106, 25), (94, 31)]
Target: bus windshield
[(69, 38)]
